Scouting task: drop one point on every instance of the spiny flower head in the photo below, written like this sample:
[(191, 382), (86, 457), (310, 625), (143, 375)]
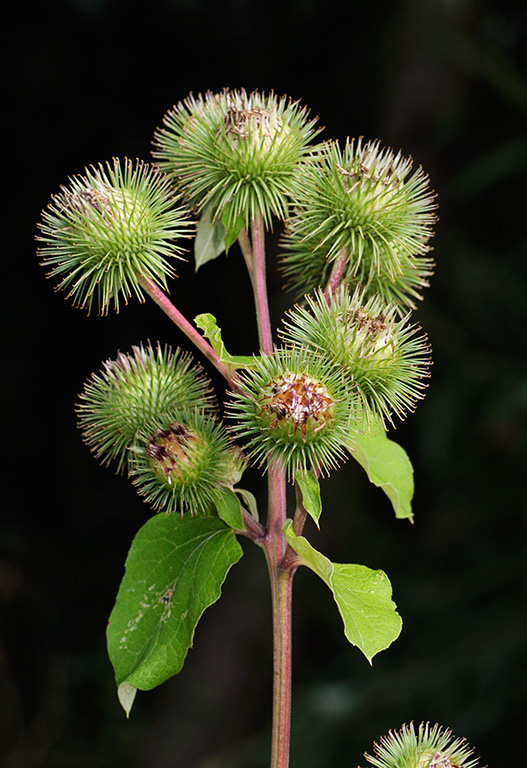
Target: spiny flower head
[(133, 389), (110, 227), (183, 461), (294, 407), (428, 748), (234, 152), (384, 358), (360, 204)]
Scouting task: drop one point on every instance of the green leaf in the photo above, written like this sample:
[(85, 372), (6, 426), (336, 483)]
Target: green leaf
[(210, 239), (174, 571), (309, 489), (363, 597), (232, 229), (207, 323), (126, 693), (387, 466), (364, 600), (230, 509)]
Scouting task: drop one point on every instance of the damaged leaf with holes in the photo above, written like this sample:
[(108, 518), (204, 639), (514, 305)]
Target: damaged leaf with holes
[(174, 571)]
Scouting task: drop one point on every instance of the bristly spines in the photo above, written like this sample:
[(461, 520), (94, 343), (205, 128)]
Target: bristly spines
[(183, 460), (295, 407), (131, 390), (429, 747), (235, 152), (385, 358), (361, 202), (109, 228)]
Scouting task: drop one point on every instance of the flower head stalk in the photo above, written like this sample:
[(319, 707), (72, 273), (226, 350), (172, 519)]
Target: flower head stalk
[(110, 227)]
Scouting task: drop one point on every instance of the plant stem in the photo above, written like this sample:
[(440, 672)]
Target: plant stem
[(339, 265), (247, 251), (259, 282), (281, 592), (183, 324), (275, 543), (252, 528)]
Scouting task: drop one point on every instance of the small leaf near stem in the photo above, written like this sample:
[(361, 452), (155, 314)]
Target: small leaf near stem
[(183, 324), (308, 496), (229, 509), (210, 239), (207, 323), (232, 512), (232, 228), (312, 494), (387, 465)]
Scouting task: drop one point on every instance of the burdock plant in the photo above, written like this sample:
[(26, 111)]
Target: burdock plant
[(360, 217), (429, 747), (355, 249)]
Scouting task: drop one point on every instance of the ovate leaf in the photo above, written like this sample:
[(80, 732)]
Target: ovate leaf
[(387, 466), (363, 597), (309, 490), (210, 239), (174, 571)]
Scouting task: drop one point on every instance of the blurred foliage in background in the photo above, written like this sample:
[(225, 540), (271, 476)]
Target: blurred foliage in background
[(445, 81)]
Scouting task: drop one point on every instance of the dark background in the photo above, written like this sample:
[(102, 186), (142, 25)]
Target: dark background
[(86, 80)]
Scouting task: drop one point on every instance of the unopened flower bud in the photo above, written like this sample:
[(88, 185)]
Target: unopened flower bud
[(110, 228), (235, 152), (427, 748), (133, 389), (182, 461), (294, 408), (383, 357), (360, 206)]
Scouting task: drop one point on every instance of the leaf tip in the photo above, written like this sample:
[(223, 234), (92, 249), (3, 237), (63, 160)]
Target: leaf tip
[(126, 693)]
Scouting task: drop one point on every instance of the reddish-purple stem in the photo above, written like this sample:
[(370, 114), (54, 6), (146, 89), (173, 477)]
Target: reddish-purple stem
[(337, 272), (247, 251), (274, 543), (259, 281), (281, 591), (183, 324)]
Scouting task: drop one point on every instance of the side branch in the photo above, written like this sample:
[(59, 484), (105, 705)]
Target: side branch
[(183, 324), (337, 272)]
